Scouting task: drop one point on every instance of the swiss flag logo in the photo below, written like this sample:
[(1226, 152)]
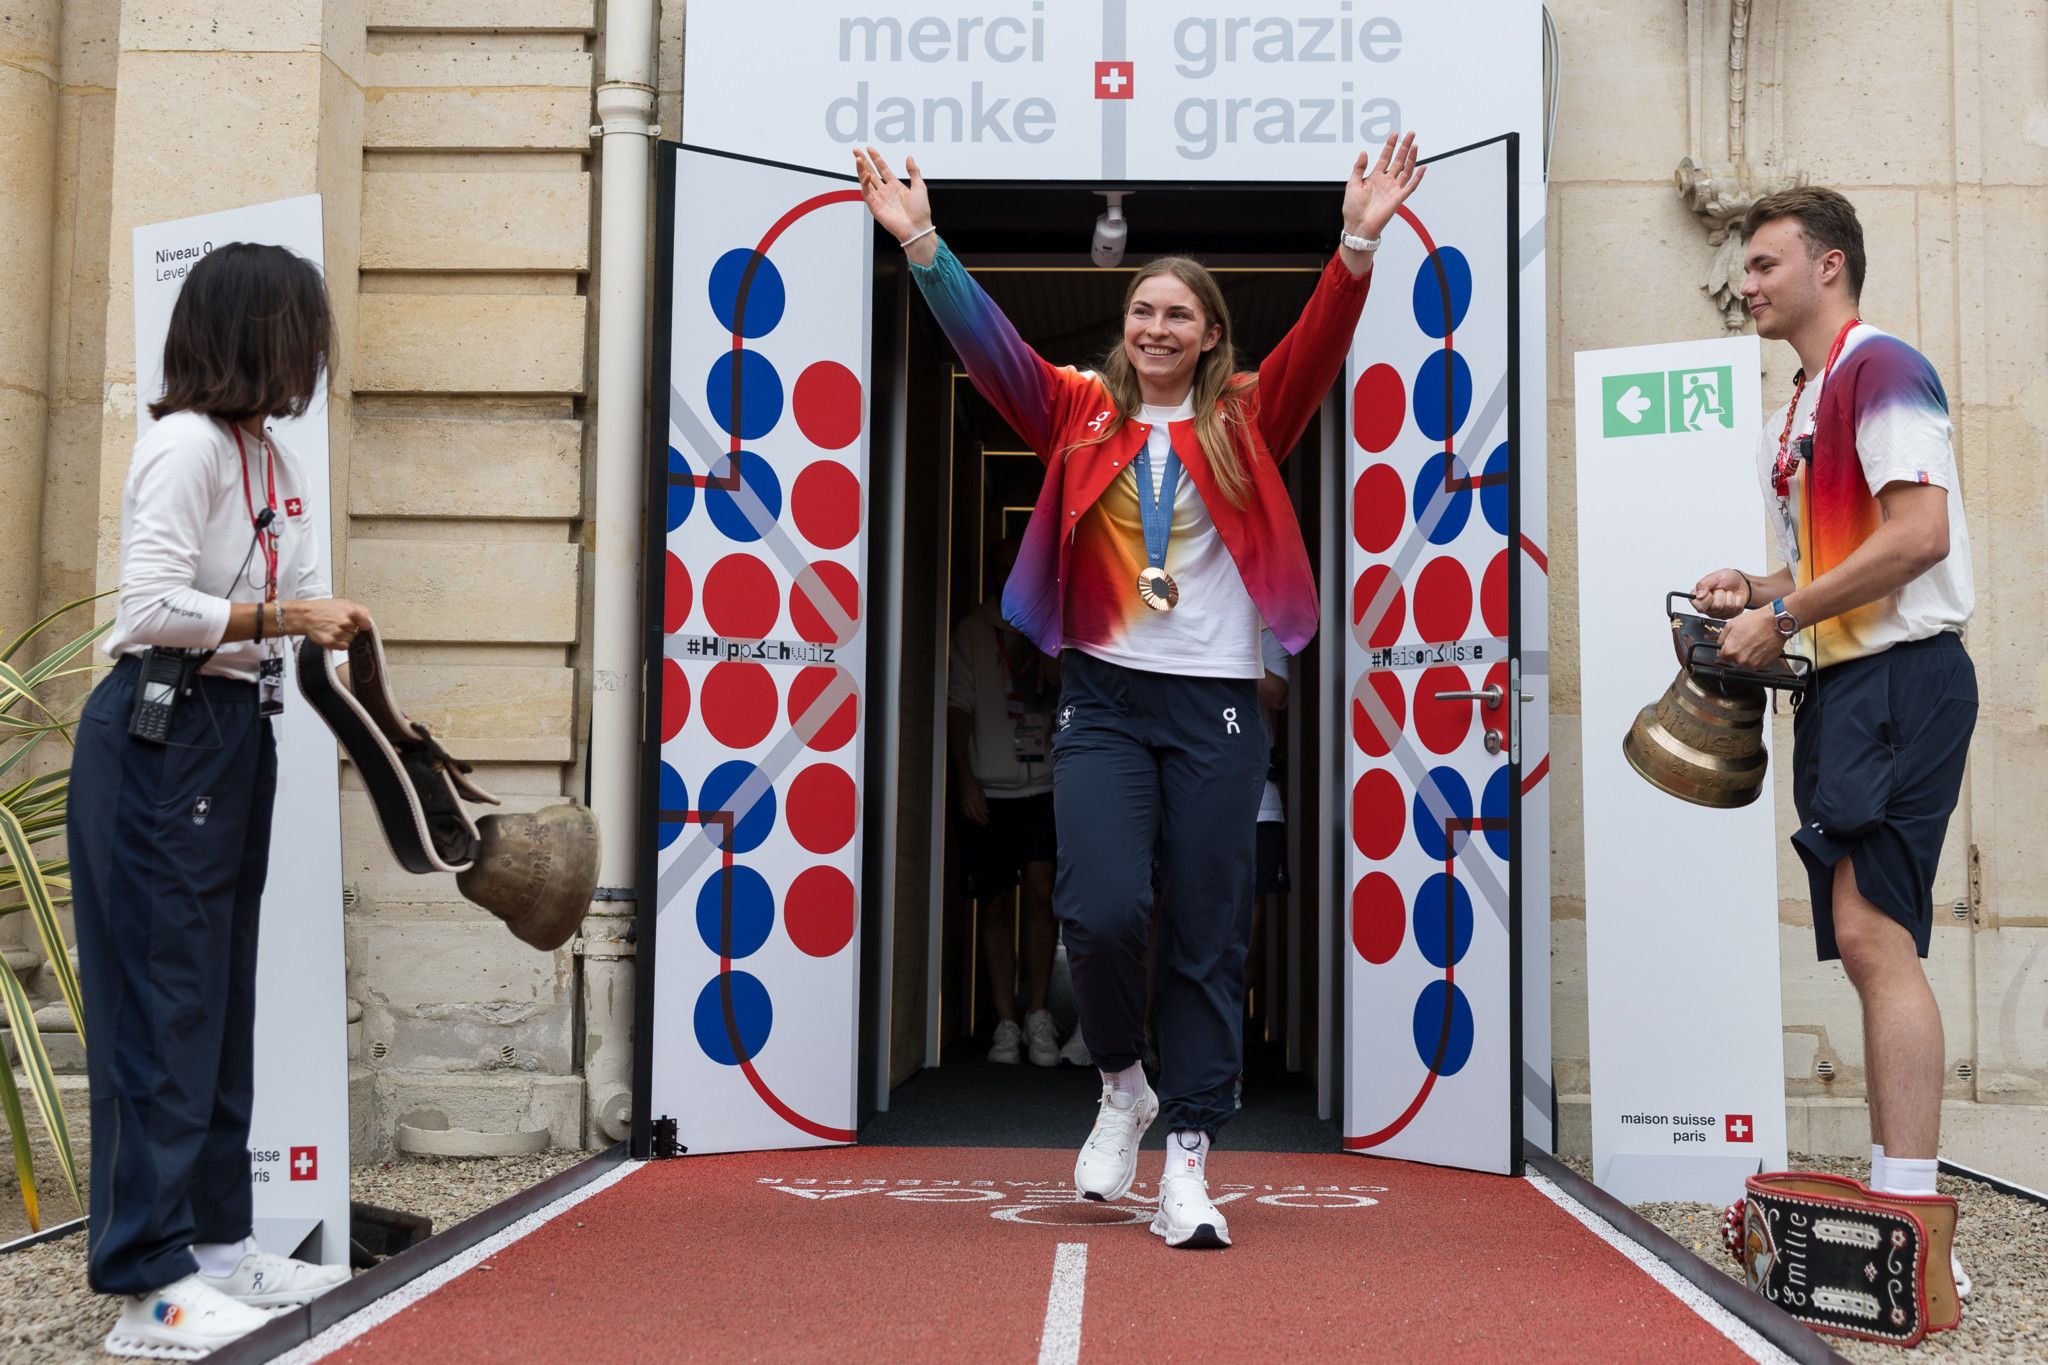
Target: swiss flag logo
[(294, 508), (305, 1163), (1114, 80), (1739, 1128)]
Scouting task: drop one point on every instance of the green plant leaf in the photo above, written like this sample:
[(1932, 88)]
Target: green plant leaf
[(14, 687), (42, 1079), (18, 641), (47, 668), (24, 1160), (14, 843)]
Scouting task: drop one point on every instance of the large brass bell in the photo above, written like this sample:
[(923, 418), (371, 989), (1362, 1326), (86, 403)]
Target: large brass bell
[(1703, 740)]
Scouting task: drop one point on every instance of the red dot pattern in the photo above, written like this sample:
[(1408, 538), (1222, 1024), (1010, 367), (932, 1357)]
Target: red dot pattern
[(821, 729), (675, 699), (827, 403), (826, 504), (742, 600), (739, 704), (1497, 720), (1442, 725), (1379, 508), (818, 911), (1493, 596), (1379, 815), (1378, 595), (1374, 734), (1379, 407), (1443, 601), (675, 598), (822, 808), (824, 605), (1379, 918)]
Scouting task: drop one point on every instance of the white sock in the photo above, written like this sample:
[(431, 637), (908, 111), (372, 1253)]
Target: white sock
[(219, 1258), (1909, 1175), (1187, 1153), (1877, 1165), (1130, 1081)]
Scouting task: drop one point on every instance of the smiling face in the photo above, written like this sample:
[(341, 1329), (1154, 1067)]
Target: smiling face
[(1782, 282), (1166, 333)]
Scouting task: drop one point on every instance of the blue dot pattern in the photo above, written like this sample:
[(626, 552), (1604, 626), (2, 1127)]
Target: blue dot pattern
[(1429, 1028), (1456, 508), (765, 294), (1430, 290), (1440, 369), (1430, 933), (734, 510), (759, 405), (752, 912), (753, 1014)]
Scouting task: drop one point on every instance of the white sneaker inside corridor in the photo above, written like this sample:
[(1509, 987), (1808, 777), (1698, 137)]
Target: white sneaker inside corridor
[(184, 1320), (1042, 1038), (1009, 1044), (1109, 1158), (1186, 1217), (266, 1280)]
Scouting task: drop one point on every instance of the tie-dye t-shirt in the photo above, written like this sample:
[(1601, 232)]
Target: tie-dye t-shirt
[(1213, 633), (1883, 405)]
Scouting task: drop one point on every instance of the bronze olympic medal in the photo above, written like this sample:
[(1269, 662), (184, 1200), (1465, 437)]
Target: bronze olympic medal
[(1157, 588)]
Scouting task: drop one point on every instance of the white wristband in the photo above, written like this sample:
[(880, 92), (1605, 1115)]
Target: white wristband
[(1365, 244), (905, 243)]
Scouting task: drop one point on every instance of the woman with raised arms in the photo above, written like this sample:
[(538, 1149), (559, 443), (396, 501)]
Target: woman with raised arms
[(1162, 541)]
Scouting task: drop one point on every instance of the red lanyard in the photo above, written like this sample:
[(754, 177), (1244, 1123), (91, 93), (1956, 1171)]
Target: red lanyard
[(1781, 471), (266, 532)]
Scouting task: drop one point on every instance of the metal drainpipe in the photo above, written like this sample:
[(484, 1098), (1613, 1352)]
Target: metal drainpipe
[(625, 109)]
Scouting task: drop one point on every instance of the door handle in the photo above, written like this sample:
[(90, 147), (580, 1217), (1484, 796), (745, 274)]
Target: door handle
[(1492, 696)]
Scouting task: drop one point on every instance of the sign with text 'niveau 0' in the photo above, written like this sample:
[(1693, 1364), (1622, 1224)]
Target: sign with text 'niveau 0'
[(1681, 901), (298, 1135)]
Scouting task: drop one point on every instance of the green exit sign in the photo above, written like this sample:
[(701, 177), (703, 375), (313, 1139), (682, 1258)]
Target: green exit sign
[(1657, 402)]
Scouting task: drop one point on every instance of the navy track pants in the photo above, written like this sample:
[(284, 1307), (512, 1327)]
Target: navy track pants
[(1155, 763), (169, 849)]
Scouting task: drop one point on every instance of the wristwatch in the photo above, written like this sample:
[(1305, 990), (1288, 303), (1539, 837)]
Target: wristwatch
[(1787, 623), (1357, 243)]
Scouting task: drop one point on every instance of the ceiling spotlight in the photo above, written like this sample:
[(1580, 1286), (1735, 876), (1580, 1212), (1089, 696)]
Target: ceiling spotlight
[(1110, 230)]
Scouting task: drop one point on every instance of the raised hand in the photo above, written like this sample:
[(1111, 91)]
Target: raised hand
[(1373, 192), (902, 208)]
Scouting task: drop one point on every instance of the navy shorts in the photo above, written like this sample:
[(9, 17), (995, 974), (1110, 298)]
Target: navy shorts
[(1877, 766), (1019, 831)]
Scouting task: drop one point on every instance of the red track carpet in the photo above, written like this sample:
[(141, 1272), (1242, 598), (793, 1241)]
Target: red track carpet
[(878, 1253)]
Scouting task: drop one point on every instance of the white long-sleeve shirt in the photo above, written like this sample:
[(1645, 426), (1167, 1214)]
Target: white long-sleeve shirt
[(186, 541)]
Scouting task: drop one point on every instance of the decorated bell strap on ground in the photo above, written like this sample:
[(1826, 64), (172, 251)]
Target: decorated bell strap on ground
[(1844, 1258), (536, 872)]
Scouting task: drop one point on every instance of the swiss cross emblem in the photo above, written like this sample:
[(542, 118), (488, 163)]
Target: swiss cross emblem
[(305, 1163), (294, 508), (1113, 80), (1740, 1129)]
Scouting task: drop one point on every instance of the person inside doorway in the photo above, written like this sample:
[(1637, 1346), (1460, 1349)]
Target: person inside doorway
[(1152, 588), (999, 700)]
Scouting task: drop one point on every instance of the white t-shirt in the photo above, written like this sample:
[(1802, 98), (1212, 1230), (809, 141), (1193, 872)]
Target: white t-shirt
[(1008, 748), (187, 542), (1275, 659), (1214, 631), (1884, 402)]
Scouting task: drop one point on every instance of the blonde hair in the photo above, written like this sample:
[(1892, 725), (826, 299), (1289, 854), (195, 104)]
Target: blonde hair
[(1219, 390)]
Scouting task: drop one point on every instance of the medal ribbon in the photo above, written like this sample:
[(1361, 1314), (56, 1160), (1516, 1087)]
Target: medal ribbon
[(1782, 467), (1156, 514)]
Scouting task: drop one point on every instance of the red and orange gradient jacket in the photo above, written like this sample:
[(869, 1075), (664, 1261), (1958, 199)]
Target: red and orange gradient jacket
[(1055, 409)]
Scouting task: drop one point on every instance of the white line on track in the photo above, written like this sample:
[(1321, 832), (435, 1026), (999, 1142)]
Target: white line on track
[(1720, 1319), (1059, 1343), (411, 1292)]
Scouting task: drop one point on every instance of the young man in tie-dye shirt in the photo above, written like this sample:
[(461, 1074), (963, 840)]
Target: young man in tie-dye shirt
[(1859, 474)]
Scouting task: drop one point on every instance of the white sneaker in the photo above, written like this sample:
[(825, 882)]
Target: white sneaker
[(266, 1280), (1009, 1044), (1043, 1038), (1109, 1158), (1075, 1053), (1959, 1275), (184, 1320), (1186, 1218)]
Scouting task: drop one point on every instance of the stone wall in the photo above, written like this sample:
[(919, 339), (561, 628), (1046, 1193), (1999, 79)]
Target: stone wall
[(451, 140)]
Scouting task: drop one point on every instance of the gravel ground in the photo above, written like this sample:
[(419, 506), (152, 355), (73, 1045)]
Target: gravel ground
[(49, 1317), (2001, 1240)]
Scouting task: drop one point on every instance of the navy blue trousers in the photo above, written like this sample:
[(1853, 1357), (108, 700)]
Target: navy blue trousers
[(1149, 764), (169, 847)]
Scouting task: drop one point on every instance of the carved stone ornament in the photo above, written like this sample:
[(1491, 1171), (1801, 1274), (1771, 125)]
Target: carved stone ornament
[(1733, 58)]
